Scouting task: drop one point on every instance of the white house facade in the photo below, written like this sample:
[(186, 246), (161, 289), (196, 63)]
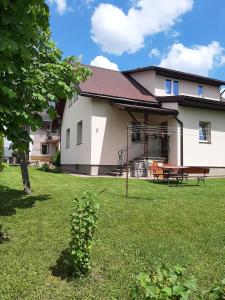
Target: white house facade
[(184, 114)]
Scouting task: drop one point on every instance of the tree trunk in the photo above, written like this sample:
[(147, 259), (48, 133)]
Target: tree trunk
[(25, 173)]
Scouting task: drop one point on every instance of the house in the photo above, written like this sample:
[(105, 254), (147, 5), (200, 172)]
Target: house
[(7, 152), (184, 115), (46, 140)]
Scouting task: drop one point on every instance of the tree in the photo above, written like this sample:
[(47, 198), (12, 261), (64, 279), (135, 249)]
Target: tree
[(32, 73), (1, 151)]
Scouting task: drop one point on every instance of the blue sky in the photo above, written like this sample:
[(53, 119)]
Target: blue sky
[(180, 34)]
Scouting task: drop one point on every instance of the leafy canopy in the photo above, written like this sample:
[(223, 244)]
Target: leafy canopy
[(33, 74)]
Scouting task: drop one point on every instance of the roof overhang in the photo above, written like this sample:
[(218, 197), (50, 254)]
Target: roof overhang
[(144, 109), (194, 102), (106, 97)]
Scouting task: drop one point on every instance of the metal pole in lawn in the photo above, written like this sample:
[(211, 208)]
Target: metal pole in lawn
[(127, 163)]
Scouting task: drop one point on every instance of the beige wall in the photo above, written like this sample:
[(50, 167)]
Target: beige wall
[(156, 85), (81, 110), (108, 132), (198, 154), (187, 88), (146, 79)]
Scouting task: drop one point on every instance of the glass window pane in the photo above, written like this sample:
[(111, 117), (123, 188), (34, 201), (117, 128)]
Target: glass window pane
[(67, 138), (79, 132), (168, 86), (136, 133), (200, 91), (44, 149), (176, 87), (204, 132)]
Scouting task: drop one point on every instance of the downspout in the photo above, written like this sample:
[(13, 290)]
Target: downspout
[(181, 140)]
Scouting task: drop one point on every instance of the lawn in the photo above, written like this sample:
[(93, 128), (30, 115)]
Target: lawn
[(158, 223)]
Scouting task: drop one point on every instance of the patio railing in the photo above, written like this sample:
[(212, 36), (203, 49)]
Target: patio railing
[(152, 147)]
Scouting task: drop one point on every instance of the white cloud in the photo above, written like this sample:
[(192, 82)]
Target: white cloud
[(103, 62), (61, 5), (198, 59), (154, 52), (117, 32)]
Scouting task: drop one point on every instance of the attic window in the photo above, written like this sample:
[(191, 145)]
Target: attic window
[(200, 91), (172, 87)]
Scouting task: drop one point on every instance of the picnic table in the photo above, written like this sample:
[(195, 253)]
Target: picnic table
[(178, 173)]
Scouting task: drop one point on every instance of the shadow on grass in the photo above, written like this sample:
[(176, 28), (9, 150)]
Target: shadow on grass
[(62, 267), (11, 199)]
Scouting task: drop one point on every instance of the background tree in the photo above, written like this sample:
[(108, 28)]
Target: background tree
[(32, 73), (1, 151)]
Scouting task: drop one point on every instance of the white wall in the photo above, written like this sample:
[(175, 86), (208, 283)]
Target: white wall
[(200, 154), (81, 110), (187, 88), (108, 132), (104, 132)]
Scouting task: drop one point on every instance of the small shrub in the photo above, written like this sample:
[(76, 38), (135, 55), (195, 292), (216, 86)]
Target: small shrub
[(56, 159), (83, 226), (45, 167), (3, 235), (162, 284)]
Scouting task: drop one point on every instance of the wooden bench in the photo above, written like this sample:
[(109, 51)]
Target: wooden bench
[(200, 173)]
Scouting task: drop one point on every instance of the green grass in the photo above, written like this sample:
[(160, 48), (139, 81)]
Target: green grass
[(177, 225)]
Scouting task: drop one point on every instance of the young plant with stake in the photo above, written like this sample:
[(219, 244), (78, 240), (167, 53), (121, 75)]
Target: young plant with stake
[(83, 227)]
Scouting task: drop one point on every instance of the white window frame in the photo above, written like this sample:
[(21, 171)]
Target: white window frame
[(172, 86), (208, 132)]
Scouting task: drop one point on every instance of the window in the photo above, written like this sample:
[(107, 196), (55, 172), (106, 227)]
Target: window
[(73, 99), (47, 125), (79, 132), (44, 149), (67, 138), (136, 133), (172, 86), (200, 91), (204, 132), (168, 86), (176, 88)]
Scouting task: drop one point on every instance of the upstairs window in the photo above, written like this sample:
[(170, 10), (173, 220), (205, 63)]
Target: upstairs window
[(200, 91), (176, 87), (67, 138), (172, 87), (168, 86), (79, 132), (204, 132)]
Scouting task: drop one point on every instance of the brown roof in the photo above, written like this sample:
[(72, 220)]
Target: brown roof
[(114, 84)]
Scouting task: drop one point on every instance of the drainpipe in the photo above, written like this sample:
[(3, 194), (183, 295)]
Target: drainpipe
[(181, 141)]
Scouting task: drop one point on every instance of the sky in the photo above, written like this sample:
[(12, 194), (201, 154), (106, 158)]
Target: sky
[(186, 35)]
